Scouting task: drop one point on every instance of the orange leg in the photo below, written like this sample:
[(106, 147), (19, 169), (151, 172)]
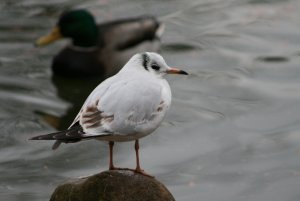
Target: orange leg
[(137, 147), (111, 162), (138, 167)]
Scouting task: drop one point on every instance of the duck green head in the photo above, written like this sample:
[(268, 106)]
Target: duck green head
[(79, 25)]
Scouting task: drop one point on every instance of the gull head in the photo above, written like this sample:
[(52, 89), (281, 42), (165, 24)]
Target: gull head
[(153, 63)]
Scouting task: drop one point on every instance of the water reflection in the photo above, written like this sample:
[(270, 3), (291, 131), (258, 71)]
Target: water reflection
[(273, 59), (75, 91)]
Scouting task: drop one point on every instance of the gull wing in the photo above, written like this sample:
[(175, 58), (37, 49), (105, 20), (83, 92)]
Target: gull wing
[(125, 106), (118, 106)]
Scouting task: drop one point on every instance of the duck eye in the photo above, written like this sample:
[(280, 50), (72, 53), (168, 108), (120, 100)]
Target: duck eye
[(155, 66)]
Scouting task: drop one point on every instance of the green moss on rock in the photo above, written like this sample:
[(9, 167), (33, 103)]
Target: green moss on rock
[(113, 186)]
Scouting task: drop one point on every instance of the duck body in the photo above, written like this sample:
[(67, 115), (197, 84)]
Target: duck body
[(69, 62), (100, 49)]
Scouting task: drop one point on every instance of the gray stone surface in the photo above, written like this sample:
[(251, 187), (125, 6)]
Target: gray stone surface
[(117, 185)]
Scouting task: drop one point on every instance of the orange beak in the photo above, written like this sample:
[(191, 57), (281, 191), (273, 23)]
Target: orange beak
[(176, 71), (51, 37)]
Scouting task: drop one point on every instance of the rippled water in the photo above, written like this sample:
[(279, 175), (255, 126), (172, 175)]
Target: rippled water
[(232, 132)]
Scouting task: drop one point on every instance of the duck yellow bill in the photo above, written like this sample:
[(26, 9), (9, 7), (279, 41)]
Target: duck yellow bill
[(51, 37), (176, 71)]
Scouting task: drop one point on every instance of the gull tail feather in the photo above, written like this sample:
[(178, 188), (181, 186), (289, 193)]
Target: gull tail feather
[(56, 144), (72, 135)]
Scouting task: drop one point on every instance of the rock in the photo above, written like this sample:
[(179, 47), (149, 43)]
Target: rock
[(116, 185)]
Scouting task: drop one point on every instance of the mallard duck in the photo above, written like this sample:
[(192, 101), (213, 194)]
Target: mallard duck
[(99, 49)]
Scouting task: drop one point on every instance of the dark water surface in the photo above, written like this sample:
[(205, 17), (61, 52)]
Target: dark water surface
[(232, 134)]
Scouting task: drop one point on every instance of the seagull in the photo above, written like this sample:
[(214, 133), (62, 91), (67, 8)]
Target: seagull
[(99, 49), (125, 107)]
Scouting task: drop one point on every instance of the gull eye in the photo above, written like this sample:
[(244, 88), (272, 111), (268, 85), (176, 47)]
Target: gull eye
[(155, 66)]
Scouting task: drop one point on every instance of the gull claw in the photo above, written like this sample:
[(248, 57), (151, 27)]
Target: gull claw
[(142, 172)]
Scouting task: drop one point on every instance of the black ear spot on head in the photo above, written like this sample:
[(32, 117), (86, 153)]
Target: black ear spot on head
[(145, 60)]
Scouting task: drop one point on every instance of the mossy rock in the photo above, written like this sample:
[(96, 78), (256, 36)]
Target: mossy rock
[(117, 185)]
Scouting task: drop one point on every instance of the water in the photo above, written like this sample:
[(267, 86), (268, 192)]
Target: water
[(232, 132)]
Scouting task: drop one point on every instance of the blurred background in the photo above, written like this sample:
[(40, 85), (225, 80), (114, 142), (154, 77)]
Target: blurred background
[(232, 132)]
